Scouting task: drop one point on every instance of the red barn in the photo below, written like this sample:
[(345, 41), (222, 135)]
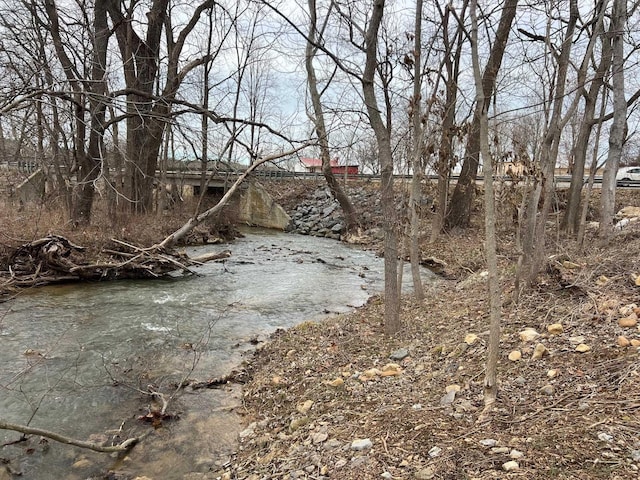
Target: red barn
[(342, 169), (314, 165)]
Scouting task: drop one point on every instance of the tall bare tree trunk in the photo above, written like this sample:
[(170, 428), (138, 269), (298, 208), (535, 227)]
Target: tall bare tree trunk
[(320, 126), (592, 174), (445, 164), (571, 219), (147, 118), (89, 159), (459, 214), (534, 239), (91, 165), (618, 132), (382, 131), (416, 157), (495, 299)]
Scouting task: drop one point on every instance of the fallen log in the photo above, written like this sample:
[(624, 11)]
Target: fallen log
[(121, 447), (55, 259), (211, 257)]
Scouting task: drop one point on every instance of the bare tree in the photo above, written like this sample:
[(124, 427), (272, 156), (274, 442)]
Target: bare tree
[(495, 298), (571, 218), (617, 133), (559, 115), (376, 69), (319, 119), (416, 155), (450, 73), (147, 113), (382, 131), (89, 157), (459, 214)]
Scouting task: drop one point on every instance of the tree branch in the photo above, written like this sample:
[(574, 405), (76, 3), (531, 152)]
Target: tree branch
[(121, 447)]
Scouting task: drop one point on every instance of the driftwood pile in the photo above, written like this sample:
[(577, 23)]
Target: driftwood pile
[(55, 259)]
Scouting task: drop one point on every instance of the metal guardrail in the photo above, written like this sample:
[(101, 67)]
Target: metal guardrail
[(21, 166), (30, 167)]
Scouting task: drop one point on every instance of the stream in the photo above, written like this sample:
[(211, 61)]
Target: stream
[(75, 359)]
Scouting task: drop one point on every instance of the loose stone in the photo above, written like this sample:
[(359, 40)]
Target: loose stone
[(528, 334), (361, 444), (338, 382), (516, 454), (305, 407), (583, 348), (341, 463), (435, 452), (391, 369), (548, 390), (399, 355), (500, 450), (488, 442), (515, 355), (448, 398), (555, 329), (510, 466), (539, 352), (623, 341), (605, 437), (470, 338), (577, 339), (628, 322)]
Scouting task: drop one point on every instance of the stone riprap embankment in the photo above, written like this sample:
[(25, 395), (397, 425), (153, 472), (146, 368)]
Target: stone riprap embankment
[(320, 215)]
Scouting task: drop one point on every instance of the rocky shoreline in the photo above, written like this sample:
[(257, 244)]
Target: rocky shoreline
[(320, 215)]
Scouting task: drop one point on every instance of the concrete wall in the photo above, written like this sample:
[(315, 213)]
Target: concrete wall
[(257, 208), (33, 188)]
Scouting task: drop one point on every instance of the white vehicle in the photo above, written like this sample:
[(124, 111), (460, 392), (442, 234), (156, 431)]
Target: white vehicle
[(627, 175)]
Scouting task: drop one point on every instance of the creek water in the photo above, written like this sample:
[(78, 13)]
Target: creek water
[(76, 358)]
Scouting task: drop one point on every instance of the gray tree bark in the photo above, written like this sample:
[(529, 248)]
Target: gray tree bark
[(459, 214), (320, 126), (618, 132), (416, 160), (571, 218), (495, 298), (382, 131)]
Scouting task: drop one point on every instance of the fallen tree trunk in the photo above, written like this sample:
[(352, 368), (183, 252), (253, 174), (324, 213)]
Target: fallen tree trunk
[(196, 220), (121, 447)]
